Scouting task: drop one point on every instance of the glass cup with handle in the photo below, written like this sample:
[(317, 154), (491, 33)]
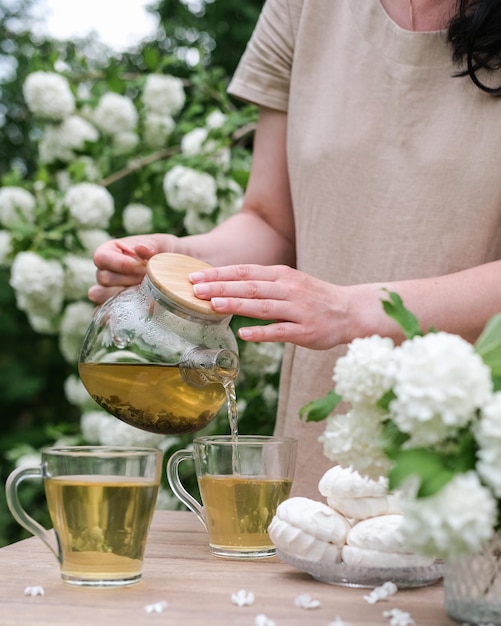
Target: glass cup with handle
[(241, 480), (101, 502)]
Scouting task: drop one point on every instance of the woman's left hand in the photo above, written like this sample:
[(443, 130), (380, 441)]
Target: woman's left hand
[(304, 310)]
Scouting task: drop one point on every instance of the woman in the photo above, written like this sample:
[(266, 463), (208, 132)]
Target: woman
[(375, 167)]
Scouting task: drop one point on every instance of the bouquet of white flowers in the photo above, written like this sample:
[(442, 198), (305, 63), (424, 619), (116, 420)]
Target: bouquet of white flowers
[(426, 414)]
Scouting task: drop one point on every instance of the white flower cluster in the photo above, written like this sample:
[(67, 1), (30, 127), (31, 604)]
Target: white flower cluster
[(431, 388), (48, 95), (163, 97)]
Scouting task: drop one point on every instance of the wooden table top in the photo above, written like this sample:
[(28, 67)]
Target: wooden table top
[(197, 587)]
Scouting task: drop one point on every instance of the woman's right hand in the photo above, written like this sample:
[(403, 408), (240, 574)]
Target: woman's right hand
[(122, 262)]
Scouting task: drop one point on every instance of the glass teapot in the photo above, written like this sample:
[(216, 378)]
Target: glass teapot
[(156, 356)]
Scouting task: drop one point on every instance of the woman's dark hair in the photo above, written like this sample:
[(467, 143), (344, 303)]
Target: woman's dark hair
[(475, 36)]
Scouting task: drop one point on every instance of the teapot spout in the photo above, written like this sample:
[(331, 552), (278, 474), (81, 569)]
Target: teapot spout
[(202, 366)]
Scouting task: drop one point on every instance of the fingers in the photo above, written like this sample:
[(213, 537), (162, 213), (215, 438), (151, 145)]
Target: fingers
[(99, 294)]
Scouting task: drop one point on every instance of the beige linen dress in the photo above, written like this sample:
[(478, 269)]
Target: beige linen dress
[(394, 165)]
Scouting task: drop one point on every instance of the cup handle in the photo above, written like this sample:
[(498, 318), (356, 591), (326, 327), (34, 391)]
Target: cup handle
[(177, 487), (18, 512)]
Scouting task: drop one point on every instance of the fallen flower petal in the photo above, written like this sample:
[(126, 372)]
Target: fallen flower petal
[(34, 591), (381, 593), (158, 607), (338, 622), (243, 598), (304, 601), (399, 618), (262, 620)]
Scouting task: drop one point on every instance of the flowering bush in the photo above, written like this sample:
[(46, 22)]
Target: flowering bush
[(426, 414), (164, 155)]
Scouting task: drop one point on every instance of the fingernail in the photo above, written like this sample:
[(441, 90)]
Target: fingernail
[(201, 289), (219, 303), (196, 276), (244, 333)]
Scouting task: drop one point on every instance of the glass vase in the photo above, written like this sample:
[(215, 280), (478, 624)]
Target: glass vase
[(472, 586)]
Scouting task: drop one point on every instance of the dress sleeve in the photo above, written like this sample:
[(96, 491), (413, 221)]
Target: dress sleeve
[(263, 74)]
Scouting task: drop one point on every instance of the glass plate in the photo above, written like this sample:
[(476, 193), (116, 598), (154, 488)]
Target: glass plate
[(350, 576)]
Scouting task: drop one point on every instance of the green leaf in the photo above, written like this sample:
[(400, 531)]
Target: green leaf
[(318, 410), (429, 466), (488, 346), (408, 322)]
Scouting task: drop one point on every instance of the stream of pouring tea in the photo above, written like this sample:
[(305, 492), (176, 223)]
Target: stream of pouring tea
[(231, 399)]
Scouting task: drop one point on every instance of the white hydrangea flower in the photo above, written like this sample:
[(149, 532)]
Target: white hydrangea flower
[(353, 440), (443, 524), (195, 223), (39, 285), (186, 188), (61, 141), (488, 436), (105, 430), (48, 95), (17, 206), (163, 94), (44, 324), (125, 142), (79, 276), (440, 383), (262, 357), (231, 201), (91, 239), (5, 247), (270, 395), (115, 114), (137, 219), (366, 371), (215, 119), (76, 393), (76, 319), (193, 142), (157, 129), (90, 205)]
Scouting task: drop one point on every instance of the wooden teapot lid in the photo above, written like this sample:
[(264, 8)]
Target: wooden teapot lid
[(169, 272)]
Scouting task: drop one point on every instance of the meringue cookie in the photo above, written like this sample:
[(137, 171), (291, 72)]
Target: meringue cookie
[(380, 533), (358, 557), (309, 529), (346, 482), (355, 496), (378, 542)]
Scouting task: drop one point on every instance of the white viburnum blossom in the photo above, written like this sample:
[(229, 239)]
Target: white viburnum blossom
[(103, 429), (62, 141), (125, 142), (193, 142), (5, 248), (48, 95), (38, 284), (354, 440), (488, 436), (79, 276), (76, 319), (91, 239), (17, 206), (163, 94), (157, 129), (215, 119), (456, 520), (440, 383), (230, 201), (76, 393), (186, 188), (366, 372), (137, 219), (196, 223), (90, 205), (115, 114), (262, 357)]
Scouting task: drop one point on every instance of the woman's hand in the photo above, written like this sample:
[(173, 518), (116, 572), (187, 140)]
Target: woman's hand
[(304, 310), (122, 262)]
